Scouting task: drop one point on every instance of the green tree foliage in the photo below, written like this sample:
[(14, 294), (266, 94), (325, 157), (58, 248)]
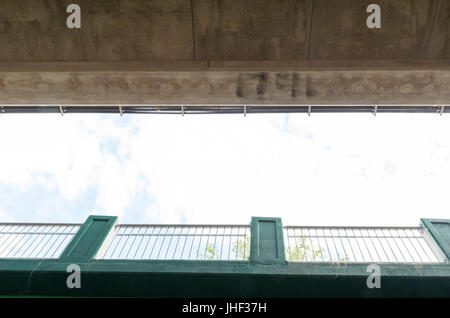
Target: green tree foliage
[(302, 251), (241, 248), (211, 253)]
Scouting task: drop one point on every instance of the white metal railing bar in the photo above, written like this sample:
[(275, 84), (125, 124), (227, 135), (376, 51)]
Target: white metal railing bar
[(180, 242), (34, 240), (358, 244), (226, 242)]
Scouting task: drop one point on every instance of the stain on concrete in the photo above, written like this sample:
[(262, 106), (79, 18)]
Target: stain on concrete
[(289, 82), (325, 87), (310, 91), (283, 81), (252, 85), (295, 89)]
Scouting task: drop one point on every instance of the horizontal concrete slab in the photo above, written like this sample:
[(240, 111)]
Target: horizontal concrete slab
[(136, 30), (439, 44), (149, 30), (339, 30), (227, 83)]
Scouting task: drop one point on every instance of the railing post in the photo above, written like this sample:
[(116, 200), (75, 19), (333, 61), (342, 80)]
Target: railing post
[(267, 242), (89, 239), (437, 232)]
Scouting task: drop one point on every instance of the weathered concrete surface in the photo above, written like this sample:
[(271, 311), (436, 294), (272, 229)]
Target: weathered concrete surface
[(251, 29), (35, 30), (439, 47), (136, 30), (339, 29), (213, 37), (224, 85), (147, 30)]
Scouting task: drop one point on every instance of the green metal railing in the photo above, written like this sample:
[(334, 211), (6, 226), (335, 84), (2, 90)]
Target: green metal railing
[(117, 260), (224, 242), (360, 244), (41, 241), (179, 242)]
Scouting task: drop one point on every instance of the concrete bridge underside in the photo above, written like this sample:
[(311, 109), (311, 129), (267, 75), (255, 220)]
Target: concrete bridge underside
[(225, 53)]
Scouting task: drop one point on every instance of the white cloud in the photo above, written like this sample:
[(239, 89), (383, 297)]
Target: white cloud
[(54, 152), (326, 169), (4, 217)]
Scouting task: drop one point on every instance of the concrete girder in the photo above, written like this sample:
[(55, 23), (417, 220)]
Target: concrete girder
[(226, 83)]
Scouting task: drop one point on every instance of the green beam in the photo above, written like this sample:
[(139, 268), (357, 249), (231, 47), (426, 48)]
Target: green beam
[(439, 229), (267, 242), (221, 279), (265, 274), (89, 239)]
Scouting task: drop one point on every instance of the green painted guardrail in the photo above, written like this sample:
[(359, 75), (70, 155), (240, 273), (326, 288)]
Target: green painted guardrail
[(265, 274), (89, 239), (267, 242), (267, 239), (439, 230)]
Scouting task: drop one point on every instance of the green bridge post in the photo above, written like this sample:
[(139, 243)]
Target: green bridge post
[(89, 239), (439, 230), (267, 242)]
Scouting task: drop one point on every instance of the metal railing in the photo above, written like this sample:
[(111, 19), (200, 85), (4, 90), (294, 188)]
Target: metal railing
[(224, 109), (226, 242), (358, 244), (180, 242), (32, 240)]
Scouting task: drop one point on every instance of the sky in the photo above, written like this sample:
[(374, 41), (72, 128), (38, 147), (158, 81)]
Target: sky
[(326, 169)]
